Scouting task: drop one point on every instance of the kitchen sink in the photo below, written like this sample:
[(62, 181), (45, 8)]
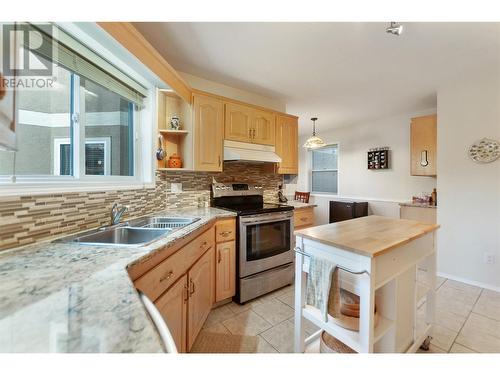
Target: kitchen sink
[(162, 222), (135, 232), (122, 236)]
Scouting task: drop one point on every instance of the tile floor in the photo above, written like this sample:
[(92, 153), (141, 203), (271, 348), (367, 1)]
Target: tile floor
[(467, 320)]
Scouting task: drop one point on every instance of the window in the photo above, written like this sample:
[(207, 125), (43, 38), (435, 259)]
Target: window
[(81, 127), (324, 171)]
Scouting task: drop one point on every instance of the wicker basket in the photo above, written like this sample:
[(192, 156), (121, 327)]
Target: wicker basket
[(329, 344)]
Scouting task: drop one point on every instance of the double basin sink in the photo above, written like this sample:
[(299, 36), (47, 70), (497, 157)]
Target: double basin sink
[(134, 232)]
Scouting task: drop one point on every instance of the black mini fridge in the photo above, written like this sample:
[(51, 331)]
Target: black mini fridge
[(342, 210)]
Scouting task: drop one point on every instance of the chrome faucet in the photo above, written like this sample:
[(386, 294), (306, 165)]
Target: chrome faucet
[(116, 214)]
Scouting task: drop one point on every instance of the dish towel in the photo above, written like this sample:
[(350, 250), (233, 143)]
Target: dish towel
[(323, 290)]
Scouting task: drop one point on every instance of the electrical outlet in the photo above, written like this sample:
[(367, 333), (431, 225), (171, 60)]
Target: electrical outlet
[(176, 187), (489, 258)]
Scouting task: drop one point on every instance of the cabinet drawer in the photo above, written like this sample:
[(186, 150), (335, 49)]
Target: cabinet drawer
[(225, 230), (303, 217), (161, 277)]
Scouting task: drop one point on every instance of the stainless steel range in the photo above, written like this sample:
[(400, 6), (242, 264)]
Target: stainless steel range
[(264, 242)]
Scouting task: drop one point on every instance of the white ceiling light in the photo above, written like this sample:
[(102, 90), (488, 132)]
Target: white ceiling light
[(314, 142), (394, 28)]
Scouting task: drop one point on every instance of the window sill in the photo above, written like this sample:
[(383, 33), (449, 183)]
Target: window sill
[(62, 187)]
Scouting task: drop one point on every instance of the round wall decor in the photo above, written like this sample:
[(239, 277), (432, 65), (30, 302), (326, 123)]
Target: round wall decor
[(485, 150)]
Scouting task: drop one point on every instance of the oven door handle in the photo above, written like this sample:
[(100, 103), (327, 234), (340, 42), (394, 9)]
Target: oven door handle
[(264, 219)]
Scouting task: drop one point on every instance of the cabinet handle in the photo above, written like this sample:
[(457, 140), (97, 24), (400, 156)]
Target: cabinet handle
[(185, 292), (253, 131), (219, 161), (203, 244), (226, 233), (191, 287), (249, 133), (167, 276), (424, 162), (219, 257)]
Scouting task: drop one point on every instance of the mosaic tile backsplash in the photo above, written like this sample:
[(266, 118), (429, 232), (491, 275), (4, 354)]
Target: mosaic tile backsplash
[(29, 219)]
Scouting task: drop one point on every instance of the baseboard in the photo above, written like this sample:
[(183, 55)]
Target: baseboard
[(470, 282)]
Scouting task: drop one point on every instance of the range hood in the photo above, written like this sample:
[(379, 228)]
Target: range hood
[(243, 151)]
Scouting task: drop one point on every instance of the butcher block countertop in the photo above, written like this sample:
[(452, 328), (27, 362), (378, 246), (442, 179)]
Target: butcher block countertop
[(369, 236)]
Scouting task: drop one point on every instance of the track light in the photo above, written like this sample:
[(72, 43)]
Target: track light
[(394, 28)]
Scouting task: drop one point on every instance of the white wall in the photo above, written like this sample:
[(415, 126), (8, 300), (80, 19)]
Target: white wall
[(468, 193), (384, 189), (233, 93)]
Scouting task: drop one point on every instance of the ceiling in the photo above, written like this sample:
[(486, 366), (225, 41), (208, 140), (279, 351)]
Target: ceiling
[(343, 73)]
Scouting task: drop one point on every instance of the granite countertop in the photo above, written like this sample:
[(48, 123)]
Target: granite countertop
[(421, 205), (68, 297), (298, 205)]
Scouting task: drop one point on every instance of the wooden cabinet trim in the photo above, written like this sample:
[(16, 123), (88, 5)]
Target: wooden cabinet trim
[(234, 101)]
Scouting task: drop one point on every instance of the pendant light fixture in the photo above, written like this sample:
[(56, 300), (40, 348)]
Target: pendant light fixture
[(314, 142)]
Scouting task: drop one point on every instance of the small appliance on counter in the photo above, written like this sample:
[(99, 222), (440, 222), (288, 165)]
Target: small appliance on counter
[(264, 254)]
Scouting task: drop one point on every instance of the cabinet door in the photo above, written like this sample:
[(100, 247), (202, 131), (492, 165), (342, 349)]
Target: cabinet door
[(201, 294), (208, 137), (287, 144), (263, 128), (225, 282), (237, 125), (172, 305), (423, 140)]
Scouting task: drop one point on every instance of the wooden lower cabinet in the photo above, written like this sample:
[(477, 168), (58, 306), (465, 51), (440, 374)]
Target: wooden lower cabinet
[(225, 271), (422, 214), (172, 305), (303, 217), (201, 294)]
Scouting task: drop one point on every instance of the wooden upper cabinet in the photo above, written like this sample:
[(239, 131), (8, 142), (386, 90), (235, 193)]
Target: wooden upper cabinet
[(201, 285), (263, 127), (237, 123), (287, 144), (246, 124), (209, 133), (423, 145), (172, 305)]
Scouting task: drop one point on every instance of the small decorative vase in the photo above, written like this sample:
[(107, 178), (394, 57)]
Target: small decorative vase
[(175, 161), (175, 123)]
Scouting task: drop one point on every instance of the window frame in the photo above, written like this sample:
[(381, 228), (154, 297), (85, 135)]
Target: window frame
[(311, 171), (142, 136), (59, 141)]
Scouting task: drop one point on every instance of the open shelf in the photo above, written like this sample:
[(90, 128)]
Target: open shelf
[(179, 142), (175, 169), (173, 132), (348, 337)]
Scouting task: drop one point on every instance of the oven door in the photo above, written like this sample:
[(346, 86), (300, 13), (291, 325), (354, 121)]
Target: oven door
[(265, 242)]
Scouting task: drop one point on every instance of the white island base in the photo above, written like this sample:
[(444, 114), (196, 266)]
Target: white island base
[(383, 255)]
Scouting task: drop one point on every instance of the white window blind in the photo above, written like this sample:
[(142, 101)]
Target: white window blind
[(65, 50), (324, 170)]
